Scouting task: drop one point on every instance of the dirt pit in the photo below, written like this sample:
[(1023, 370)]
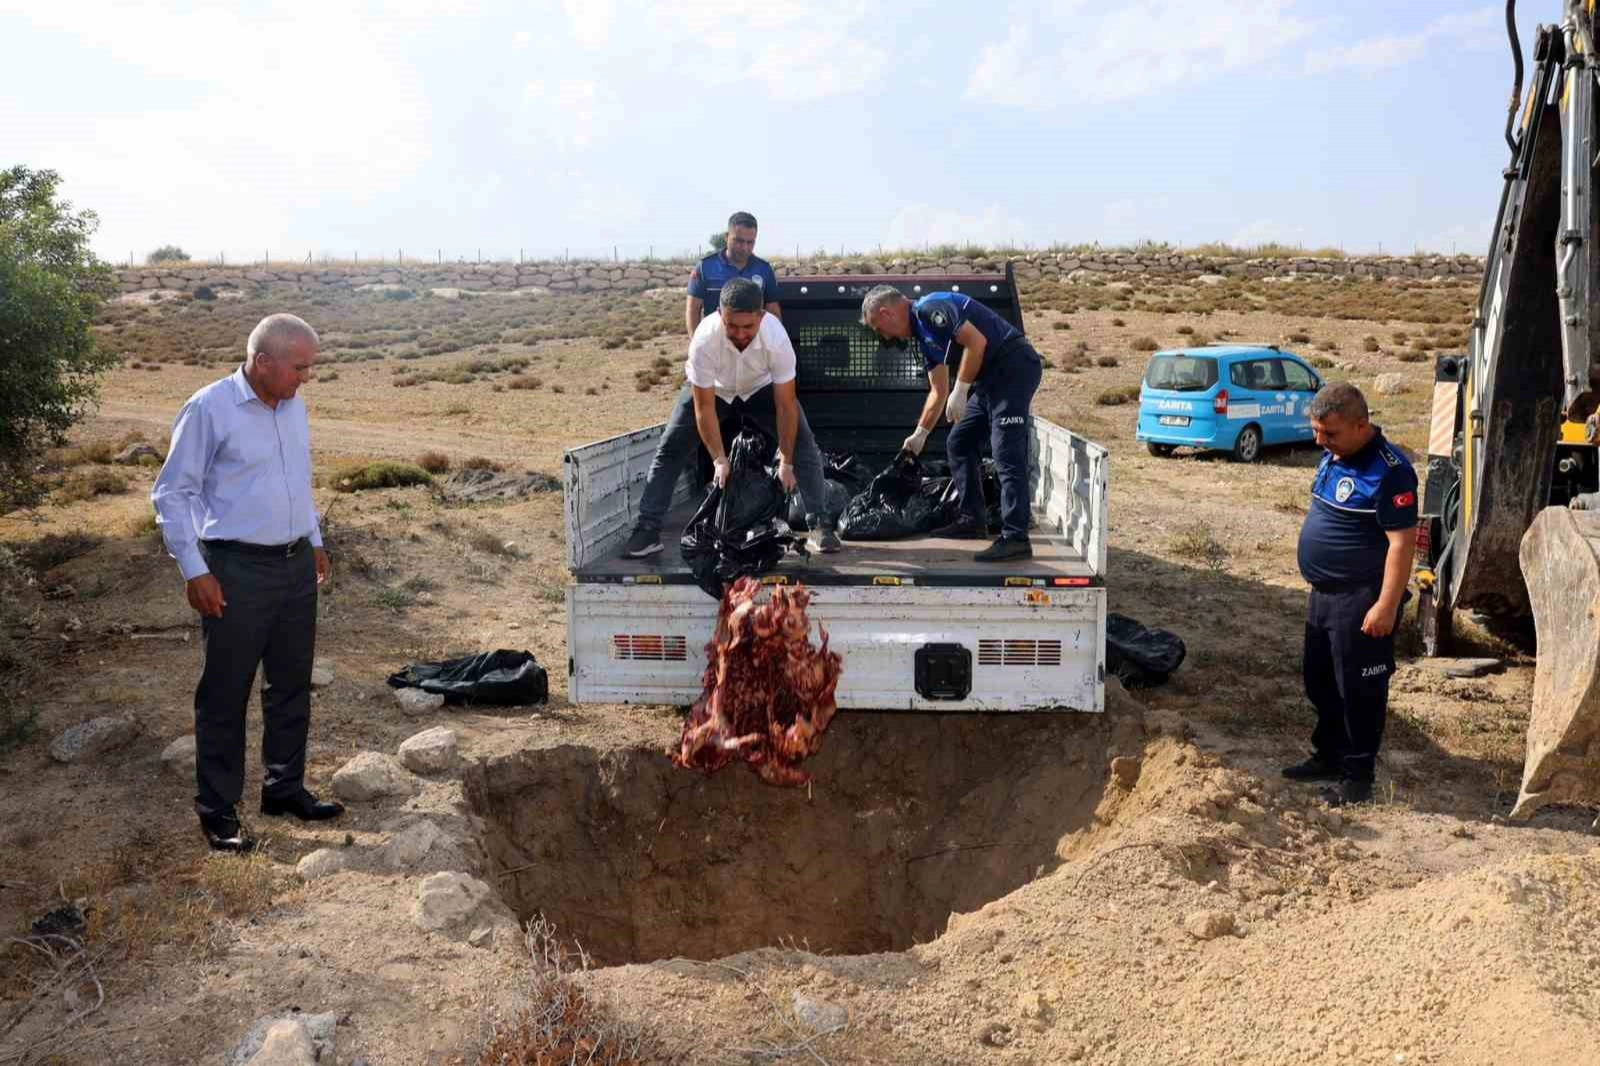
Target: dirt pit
[(909, 818)]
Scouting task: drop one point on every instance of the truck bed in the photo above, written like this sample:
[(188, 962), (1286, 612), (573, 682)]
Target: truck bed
[(920, 560)]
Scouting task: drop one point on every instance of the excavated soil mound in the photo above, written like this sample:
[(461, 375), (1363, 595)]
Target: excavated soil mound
[(910, 818)]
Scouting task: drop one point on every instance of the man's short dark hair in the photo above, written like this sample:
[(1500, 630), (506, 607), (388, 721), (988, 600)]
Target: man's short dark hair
[(740, 295), (1339, 398), (742, 218)]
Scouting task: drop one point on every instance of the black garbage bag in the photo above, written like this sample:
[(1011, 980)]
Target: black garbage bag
[(847, 470), (838, 496), (900, 502), (501, 677), (737, 530), (1141, 656)]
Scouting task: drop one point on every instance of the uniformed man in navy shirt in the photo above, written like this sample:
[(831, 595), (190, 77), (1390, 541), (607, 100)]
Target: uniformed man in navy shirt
[(737, 260), (997, 374), (1356, 548)]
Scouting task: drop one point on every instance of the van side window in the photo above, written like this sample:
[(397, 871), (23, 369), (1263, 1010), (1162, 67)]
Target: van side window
[(1257, 374), (1298, 377)]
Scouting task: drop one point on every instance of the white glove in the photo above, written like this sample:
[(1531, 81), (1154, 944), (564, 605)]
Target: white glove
[(956, 405), (720, 469), (786, 476), (914, 443)]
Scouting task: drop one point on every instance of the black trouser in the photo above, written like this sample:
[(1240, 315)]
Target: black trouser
[(271, 619), (1347, 678), (1000, 405)]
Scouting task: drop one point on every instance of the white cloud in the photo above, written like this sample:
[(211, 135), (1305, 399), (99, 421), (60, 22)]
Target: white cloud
[(591, 21), (521, 39), (1128, 50), (916, 225), (1447, 35), (244, 139), (572, 115)]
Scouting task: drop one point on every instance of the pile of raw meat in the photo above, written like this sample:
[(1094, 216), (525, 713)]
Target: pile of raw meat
[(768, 691)]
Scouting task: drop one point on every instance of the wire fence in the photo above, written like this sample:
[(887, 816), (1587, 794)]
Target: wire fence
[(621, 252)]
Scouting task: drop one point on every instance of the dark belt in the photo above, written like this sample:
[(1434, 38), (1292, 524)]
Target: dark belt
[(278, 551), (1339, 588)]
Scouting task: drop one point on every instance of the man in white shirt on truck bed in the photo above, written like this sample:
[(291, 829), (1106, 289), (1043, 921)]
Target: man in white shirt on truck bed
[(740, 362)]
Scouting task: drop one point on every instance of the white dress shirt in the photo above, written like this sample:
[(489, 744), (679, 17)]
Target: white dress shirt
[(237, 470), (714, 363)]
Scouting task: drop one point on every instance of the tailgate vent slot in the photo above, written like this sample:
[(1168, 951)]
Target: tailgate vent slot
[(653, 647), (1019, 652)]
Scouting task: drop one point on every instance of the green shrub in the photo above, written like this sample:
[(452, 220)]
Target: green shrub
[(384, 474)]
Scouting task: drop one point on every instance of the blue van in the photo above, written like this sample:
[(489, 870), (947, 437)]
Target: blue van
[(1234, 398)]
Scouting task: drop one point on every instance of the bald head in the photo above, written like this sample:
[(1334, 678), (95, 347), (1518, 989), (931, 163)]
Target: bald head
[(279, 356), (277, 334)]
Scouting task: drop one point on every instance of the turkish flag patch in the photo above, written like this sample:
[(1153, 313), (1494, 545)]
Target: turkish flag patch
[(1405, 499)]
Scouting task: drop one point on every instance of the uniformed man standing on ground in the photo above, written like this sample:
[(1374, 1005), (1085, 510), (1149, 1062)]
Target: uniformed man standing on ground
[(1356, 548), (737, 260), (992, 393), (234, 504)]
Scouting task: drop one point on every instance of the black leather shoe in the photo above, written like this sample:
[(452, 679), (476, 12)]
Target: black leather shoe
[(961, 529), (303, 805), (1348, 793), (1315, 768), (1003, 549), (224, 833)]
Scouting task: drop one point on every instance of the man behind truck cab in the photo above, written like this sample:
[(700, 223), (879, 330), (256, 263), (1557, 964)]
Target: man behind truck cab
[(737, 260)]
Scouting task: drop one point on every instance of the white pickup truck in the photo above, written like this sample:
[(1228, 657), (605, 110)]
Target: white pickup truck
[(920, 625)]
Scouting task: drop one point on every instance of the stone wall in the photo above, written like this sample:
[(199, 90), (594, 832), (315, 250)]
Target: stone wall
[(639, 275)]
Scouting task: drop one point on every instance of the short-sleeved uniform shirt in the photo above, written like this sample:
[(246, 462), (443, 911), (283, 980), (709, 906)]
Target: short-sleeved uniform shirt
[(712, 272), (714, 363), (936, 318), (1355, 502)]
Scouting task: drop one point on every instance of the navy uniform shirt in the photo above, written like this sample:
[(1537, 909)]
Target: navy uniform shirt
[(709, 275), (937, 317), (1355, 502)]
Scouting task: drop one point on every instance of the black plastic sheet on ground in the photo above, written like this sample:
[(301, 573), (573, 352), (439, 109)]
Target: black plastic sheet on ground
[(1141, 656), (737, 531), (503, 677)]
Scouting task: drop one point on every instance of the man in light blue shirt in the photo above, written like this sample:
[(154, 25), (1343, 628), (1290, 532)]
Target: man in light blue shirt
[(234, 505)]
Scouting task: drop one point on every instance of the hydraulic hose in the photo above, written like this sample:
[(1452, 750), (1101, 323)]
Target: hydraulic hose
[(1516, 85)]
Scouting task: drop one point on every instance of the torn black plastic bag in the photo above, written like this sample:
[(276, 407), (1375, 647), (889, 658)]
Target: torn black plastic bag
[(737, 530), (1141, 656), (503, 677)]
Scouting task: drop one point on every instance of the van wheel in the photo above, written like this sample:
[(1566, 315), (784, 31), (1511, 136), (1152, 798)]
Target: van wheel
[(1160, 451), (1247, 449)]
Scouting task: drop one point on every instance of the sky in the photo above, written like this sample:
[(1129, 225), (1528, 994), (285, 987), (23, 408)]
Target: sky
[(452, 128)]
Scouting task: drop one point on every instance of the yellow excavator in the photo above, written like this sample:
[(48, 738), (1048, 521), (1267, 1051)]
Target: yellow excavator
[(1511, 498)]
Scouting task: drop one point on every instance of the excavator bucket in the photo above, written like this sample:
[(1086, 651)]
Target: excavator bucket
[(1561, 564)]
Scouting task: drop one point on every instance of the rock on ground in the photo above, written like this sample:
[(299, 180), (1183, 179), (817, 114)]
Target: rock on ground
[(414, 701), (323, 862), (432, 751), (321, 673), (1391, 384), (178, 758), (87, 739), (454, 904), (1208, 925), (416, 842), (818, 1015), (370, 776), (316, 1030), (1125, 770)]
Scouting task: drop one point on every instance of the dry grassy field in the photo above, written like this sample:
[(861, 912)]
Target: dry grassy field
[(1181, 905)]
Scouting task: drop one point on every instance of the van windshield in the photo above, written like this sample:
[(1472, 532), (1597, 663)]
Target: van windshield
[(1181, 373)]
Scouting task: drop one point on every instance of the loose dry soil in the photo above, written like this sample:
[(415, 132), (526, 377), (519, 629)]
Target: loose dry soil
[(1137, 887)]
